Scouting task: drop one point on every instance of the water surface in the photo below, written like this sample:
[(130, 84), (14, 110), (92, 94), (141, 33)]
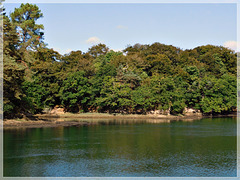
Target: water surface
[(124, 148)]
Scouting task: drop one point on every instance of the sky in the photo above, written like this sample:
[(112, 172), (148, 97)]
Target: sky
[(78, 26)]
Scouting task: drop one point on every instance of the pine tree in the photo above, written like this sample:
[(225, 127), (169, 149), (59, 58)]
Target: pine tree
[(30, 34)]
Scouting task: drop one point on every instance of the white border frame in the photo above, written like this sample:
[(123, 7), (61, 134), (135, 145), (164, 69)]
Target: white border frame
[(237, 2)]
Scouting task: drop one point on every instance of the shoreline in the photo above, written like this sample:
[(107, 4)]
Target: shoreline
[(86, 119)]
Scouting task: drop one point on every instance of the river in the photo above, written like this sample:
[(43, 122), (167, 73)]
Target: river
[(122, 148)]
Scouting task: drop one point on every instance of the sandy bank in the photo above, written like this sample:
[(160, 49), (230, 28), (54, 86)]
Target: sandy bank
[(85, 119)]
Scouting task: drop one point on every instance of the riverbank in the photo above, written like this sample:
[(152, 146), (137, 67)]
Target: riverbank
[(85, 119)]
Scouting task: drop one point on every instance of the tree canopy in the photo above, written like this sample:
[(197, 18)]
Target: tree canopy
[(141, 78)]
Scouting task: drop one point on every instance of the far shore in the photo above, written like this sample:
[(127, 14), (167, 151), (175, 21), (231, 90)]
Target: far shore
[(85, 119)]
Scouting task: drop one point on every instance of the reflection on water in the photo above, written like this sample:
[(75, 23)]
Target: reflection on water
[(127, 148)]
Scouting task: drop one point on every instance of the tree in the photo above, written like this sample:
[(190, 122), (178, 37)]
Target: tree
[(10, 38), (160, 63), (218, 95), (75, 92), (193, 87), (43, 87), (144, 78), (114, 96), (97, 50), (143, 99), (77, 61), (15, 102), (30, 34)]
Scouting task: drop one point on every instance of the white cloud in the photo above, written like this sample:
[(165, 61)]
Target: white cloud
[(231, 45), (122, 27), (93, 40)]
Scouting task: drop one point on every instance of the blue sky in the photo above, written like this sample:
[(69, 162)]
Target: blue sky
[(79, 26)]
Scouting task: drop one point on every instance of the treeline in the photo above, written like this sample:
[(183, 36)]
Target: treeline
[(139, 79)]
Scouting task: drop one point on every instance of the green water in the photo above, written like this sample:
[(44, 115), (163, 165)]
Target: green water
[(204, 147)]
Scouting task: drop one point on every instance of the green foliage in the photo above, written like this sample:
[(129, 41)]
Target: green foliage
[(24, 19), (114, 96), (143, 99), (10, 38), (13, 96), (159, 63), (77, 61), (97, 50), (75, 92), (36, 95), (219, 95)]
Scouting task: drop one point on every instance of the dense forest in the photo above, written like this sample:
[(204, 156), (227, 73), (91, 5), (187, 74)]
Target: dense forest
[(141, 78)]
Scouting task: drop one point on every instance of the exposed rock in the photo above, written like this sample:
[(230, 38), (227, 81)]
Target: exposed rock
[(57, 110), (159, 112), (192, 112)]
